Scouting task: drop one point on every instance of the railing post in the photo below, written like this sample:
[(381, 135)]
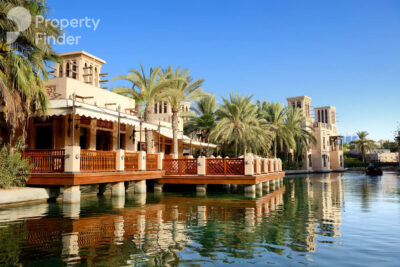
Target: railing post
[(265, 165), (201, 166), (258, 165), (142, 160), (120, 160), (72, 159), (249, 164), (160, 158)]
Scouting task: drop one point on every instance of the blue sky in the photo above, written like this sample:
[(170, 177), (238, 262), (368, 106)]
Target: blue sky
[(340, 53)]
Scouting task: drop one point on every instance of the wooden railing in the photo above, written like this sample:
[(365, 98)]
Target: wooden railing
[(262, 166), (269, 166), (41, 160), (95, 160), (151, 162), (180, 166), (131, 161), (225, 166)]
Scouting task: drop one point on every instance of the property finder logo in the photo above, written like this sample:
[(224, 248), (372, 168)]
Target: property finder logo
[(22, 18)]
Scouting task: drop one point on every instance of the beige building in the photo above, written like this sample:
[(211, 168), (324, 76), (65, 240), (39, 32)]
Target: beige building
[(99, 114), (327, 153)]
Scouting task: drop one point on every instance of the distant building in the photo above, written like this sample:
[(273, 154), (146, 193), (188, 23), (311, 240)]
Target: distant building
[(382, 155), (327, 153)]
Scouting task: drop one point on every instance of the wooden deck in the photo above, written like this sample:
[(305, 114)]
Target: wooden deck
[(220, 179), (58, 179), (91, 178)]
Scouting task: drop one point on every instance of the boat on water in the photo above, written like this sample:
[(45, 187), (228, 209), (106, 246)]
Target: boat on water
[(373, 170)]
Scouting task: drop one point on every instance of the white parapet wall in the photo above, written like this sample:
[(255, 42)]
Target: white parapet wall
[(23, 194)]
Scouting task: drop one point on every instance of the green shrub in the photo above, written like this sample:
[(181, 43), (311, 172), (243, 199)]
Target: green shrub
[(292, 165), (354, 163), (14, 171)]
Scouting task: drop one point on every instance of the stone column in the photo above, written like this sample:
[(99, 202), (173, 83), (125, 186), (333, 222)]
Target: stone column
[(249, 164), (201, 166), (71, 194), (142, 160), (160, 160), (158, 187), (72, 159), (140, 187), (259, 188), (118, 202), (272, 185), (201, 188), (120, 160), (265, 187), (250, 189), (118, 189), (265, 165), (258, 165)]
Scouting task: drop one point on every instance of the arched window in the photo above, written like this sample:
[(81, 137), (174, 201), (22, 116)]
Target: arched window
[(165, 107), (160, 107), (155, 108), (319, 116)]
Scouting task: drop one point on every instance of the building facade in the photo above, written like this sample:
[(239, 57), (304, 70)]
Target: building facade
[(103, 120), (327, 153)]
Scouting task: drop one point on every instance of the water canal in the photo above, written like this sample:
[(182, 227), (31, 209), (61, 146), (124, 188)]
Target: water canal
[(321, 220)]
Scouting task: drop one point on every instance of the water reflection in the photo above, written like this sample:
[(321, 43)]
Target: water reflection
[(172, 229)]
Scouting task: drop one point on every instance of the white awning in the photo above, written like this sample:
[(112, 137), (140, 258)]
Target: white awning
[(64, 107)]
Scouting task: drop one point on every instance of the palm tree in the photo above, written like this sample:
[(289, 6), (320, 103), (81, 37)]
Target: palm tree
[(146, 90), (363, 144), (275, 115), (238, 124), (23, 67), (203, 117), (183, 89)]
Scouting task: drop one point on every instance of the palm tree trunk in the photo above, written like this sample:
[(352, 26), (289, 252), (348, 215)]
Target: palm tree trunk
[(149, 133), (175, 131), (363, 154), (236, 148)]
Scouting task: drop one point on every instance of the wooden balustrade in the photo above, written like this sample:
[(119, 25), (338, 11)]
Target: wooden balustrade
[(269, 166), (131, 161), (180, 166), (95, 160), (45, 160), (225, 166), (151, 162)]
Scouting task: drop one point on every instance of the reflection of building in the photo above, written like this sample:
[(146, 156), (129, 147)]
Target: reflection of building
[(325, 200), (327, 153)]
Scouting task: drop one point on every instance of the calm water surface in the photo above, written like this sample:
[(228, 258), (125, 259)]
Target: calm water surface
[(322, 220)]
